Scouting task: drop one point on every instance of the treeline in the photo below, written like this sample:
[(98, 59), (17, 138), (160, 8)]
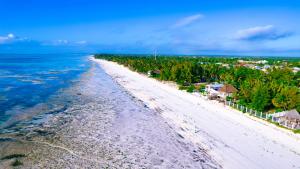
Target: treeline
[(278, 88)]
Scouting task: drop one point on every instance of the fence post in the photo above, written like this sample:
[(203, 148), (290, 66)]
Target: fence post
[(261, 115)]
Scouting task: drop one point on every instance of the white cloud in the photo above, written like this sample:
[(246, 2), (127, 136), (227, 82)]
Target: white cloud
[(62, 41), (56, 42), (267, 32), (11, 36), (187, 20), (7, 38), (83, 42)]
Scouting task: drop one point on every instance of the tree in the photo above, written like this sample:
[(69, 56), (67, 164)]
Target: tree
[(260, 97), (245, 92), (288, 98)]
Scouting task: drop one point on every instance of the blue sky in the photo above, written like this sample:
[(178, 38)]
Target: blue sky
[(223, 27)]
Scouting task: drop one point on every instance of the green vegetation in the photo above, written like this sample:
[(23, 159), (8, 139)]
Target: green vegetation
[(191, 89), (296, 131), (277, 88)]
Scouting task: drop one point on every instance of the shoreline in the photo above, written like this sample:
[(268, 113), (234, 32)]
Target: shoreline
[(223, 131), (104, 126)]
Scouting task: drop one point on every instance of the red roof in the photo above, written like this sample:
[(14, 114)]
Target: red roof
[(228, 89)]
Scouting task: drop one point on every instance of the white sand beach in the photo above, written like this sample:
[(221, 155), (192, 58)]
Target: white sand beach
[(233, 139)]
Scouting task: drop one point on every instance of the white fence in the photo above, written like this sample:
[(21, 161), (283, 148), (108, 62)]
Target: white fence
[(250, 111)]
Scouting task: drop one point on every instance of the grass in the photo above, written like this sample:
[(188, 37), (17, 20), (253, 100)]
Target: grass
[(13, 156), (189, 89), (296, 131)]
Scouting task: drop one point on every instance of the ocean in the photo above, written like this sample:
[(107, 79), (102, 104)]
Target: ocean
[(27, 80)]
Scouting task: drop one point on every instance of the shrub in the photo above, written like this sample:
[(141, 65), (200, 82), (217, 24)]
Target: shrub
[(183, 87), (191, 89), (297, 131)]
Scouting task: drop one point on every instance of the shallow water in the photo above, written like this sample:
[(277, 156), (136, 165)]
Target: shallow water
[(96, 123), (27, 80)]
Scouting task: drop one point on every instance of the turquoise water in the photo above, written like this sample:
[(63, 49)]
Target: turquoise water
[(29, 79)]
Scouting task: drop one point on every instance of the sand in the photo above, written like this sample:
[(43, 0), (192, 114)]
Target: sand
[(233, 139)]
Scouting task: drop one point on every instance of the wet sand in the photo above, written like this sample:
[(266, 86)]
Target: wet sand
[(100, 125)]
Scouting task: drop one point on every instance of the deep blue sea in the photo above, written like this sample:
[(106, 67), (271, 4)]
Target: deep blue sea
[(29, 79)]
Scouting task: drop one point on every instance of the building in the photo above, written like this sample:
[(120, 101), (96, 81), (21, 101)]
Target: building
[(212, 89), (153, 73), (219, 91), (266, 67), (251, 66), (262, 62), (257, 68), (226, 91), (226, 65), (289, 119), (296, 69)]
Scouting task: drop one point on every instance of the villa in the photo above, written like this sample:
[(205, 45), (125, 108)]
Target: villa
[(220, 91), (296, 69), (289, 119), (226, 91), (212, 89), (153, 73)]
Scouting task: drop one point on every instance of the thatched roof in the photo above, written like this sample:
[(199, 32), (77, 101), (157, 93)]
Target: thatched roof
[(156, 71), (227, 88), (290, 114)]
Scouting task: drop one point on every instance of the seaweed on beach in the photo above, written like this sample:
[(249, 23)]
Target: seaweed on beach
[(7, 139), (12, 156), (16, 163), (58, 110)]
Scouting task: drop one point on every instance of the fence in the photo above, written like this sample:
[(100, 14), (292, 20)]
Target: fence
[(274, 117), (250, 111)]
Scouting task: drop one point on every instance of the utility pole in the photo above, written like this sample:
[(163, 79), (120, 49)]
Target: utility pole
[(155, 54)]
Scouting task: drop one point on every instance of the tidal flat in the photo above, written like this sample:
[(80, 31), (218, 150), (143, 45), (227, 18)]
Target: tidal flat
[(97, 124)]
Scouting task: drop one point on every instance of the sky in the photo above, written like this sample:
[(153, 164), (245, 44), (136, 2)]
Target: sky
[(190, 27)]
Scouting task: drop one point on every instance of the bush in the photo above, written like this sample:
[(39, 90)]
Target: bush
[(297, 131), (191, 89), (228, 98), (183, 87), (202, 88)]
